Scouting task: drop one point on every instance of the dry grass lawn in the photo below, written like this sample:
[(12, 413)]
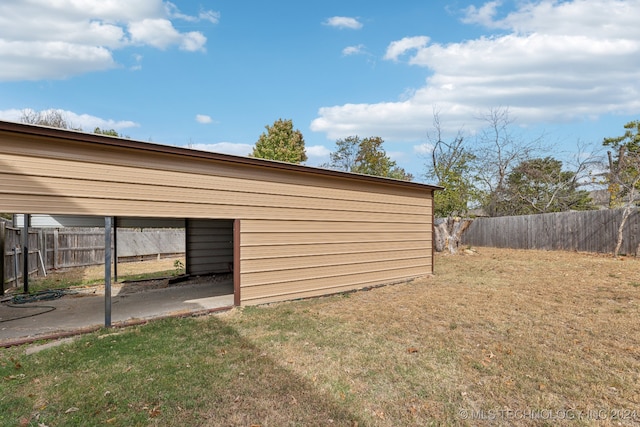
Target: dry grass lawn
[(514, 335), (496, 337)]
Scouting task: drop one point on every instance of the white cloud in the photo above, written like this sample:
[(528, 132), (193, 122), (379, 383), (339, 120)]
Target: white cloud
[(193, 41), (205, 15), (353, 50), (160, 33), (236, 149), (397, 156), (86, 122), (42, 39), (343, 22), (137, 62), (400, 47), (484, 14), (41, 59), (209, 15), (203, 118), (551, 62), (317, 151), (423, 149)]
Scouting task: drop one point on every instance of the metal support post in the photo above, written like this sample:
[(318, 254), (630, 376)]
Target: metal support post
[(2, 256), (115, 248), (25, 253), (107, 271)]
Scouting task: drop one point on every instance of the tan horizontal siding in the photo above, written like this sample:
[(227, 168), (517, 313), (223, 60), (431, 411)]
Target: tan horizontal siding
[(340, 260), (292, 274), (301, 226), (327, 285), (93, 206), (328, 237), (267, 252), (52, 168), (135, 192), (78, 161), (297, 259)]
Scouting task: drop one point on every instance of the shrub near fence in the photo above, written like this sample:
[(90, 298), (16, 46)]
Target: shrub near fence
[(586, 231)]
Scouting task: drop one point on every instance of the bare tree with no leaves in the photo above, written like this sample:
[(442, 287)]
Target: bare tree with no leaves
[(499, 151), (51, 118)]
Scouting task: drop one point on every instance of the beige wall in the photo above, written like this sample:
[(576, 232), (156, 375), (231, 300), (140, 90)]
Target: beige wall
[(293, 259), (303, 232)]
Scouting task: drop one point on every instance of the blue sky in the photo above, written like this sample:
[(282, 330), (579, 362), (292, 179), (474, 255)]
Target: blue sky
[(212, 74)]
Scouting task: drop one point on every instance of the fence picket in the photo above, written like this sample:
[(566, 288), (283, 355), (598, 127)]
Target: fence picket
[(65, 248), (586, 231)]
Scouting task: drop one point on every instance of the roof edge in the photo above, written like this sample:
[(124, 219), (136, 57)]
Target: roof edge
[(112, 141)]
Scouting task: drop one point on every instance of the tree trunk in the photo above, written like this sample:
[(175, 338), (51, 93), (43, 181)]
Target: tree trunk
[(448, 233), (626, 213)]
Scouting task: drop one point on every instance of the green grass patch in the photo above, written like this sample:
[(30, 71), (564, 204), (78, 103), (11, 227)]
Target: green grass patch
[(170, 372)]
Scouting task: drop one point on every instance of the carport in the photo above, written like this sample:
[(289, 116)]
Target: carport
[(297, 231), (208, 243)]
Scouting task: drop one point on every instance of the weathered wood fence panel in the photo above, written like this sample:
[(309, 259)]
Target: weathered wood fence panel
[(69, 247), (587, 231), (73, 248), (12, 255)]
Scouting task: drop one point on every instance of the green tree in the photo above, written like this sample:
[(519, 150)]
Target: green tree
[(540, 186), (450, 166), (623, 176), (365, 156), (458, 190), (281, 142), (110, 132), (623, 164), (344, 158), (372, 159)]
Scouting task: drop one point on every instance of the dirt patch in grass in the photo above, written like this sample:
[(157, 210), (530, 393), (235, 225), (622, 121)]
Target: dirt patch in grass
[(133, 277), (92, 277)]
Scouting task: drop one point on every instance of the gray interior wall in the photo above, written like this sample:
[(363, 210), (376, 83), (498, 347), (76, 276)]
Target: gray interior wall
[(209, 245)]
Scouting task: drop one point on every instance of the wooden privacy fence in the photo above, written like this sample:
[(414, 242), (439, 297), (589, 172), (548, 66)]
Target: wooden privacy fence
[(587, 231), (11, 254), (51, 249)]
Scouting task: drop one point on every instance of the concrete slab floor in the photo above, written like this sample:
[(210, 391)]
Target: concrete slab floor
[(83, 311)]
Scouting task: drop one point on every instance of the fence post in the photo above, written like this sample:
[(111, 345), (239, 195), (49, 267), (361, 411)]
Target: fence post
[(107, 271), (55, 249), (41, 248), (16, 265), (2, 254)]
